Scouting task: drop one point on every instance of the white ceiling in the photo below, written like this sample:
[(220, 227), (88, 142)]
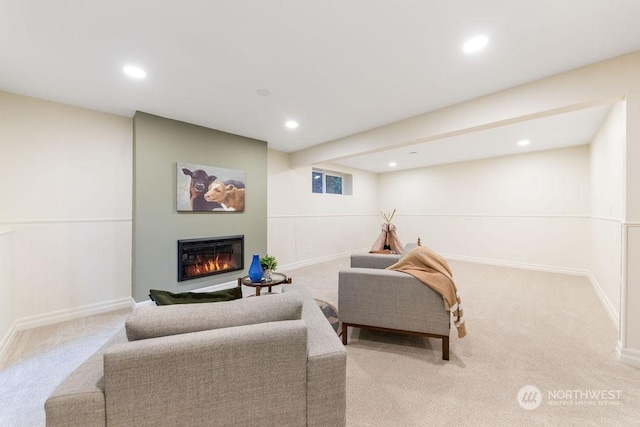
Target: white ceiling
[(562, 130), (338, 67)]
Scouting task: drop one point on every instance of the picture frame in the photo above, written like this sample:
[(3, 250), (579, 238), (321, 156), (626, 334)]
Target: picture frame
[(203, 188)]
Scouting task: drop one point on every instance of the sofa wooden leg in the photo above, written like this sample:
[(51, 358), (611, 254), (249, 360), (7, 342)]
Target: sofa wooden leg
[(445, 348), (344, 334)]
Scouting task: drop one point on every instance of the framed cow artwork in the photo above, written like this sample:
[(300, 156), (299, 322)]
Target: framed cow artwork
[(202, 188)]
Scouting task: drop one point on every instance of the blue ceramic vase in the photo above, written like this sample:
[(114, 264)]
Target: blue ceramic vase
[(255, 270)]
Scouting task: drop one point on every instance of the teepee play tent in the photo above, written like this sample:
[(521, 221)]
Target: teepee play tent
[(388, 239)]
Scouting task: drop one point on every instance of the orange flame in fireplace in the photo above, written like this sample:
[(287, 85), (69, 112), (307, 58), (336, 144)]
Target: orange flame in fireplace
[(204, 265)]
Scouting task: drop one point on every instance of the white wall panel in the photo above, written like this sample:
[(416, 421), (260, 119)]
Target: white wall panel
[(529, 209), (281, 232), (60, 266), (554, 182), (552, 243), (304, 226), (630, 308), (6, 284), (605, 262), (65, 178), (305, 239), (607, 207), (631, 296), (61, 162), (607, 166)]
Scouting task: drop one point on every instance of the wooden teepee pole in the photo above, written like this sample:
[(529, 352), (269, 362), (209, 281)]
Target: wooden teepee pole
[(388, 216)]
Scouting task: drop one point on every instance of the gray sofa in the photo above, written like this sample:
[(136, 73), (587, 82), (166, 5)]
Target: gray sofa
[(374, 298), (266, 361)]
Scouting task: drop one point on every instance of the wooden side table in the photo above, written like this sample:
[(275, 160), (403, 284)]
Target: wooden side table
[(277, 279)]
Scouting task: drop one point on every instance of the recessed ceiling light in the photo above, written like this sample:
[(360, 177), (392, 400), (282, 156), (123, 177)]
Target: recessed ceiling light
[(133, 71), (524, 142), (475, 44), (393, 164), (264, 92), (413, 152), (291, 124)]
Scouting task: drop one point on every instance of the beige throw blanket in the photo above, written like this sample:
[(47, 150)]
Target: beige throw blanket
[(433, 270)]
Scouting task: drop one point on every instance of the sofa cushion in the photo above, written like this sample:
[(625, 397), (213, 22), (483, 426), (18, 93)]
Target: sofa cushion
[(157, 321), (167, 298)]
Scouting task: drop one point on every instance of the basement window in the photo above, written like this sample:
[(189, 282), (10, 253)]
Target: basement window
[(329, 182)]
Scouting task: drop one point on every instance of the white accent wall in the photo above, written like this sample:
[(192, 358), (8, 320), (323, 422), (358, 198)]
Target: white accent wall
[(528, 210), (607, 208), (629, 333), (6, 287), (304, 227), (65, 181)]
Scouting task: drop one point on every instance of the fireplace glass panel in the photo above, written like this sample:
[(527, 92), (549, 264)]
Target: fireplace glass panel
[(209, 256)]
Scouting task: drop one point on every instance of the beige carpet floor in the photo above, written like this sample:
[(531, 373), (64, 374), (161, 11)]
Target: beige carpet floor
[(525, 328)]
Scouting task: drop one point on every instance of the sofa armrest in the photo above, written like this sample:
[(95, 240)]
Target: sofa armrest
[(378, 261), (390, 299), (326, 367), (192, 379), (79, 398)]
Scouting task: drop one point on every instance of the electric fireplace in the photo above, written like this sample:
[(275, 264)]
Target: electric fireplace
[(209, 256)]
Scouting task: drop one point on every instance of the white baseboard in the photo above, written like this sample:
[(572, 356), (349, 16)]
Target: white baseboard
[(517, 264), (6, 342), (312, 261), (59, 316), (143, 303), (218, 287), (73, 313), (628, 356), (551, 269), (613, 315)]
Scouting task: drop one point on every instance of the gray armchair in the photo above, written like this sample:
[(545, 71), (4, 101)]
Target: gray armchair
[(371, 297)]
